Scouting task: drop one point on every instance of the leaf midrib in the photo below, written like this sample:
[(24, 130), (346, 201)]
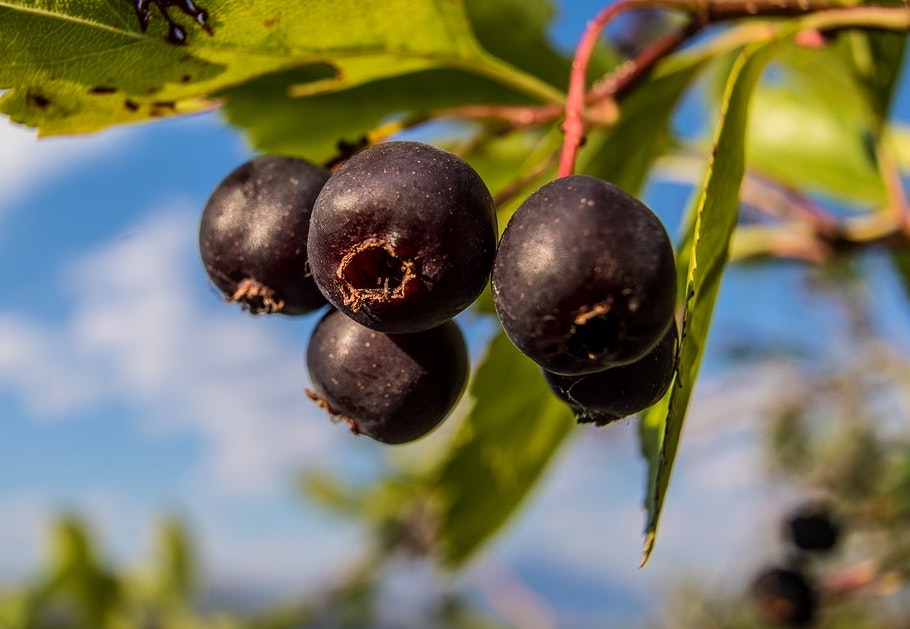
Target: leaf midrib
[(71, 18)]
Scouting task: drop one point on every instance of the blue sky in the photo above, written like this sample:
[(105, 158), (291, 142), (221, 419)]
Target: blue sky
[(129, 390)]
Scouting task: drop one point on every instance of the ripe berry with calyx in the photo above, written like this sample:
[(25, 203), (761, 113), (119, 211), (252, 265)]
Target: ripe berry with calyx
[(394, 388), (253, 234), (403, 237), (585, 277)]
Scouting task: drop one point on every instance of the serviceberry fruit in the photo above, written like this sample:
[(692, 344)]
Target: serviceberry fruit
[(609, 395), (253, 235), (403, 237), (585, 277), (394, 388), (812, 528), (784, 597)]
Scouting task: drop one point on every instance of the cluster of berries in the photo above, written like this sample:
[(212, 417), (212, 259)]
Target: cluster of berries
[(402, 237), (786, 595)]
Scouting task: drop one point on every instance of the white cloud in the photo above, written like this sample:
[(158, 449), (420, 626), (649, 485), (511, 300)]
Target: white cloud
[(26, 162), (49, 382), (140, 334), (145, 335)]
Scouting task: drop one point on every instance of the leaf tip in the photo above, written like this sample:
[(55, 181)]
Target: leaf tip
[(648, 547)]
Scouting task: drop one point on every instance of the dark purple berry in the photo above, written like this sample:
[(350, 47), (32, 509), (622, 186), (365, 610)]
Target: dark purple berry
[(812, 528), (618, 392), (403, 237), (253, 235), (784, 597), (394, 388), (585, 277)]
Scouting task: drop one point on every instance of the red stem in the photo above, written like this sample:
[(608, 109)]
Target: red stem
[(573, 126)]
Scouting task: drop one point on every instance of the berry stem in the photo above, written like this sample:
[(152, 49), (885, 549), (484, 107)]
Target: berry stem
[(625, 75), (573, 125)]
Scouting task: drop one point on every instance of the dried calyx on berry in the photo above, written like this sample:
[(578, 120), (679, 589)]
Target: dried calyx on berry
[(403, 237), (253, 235)]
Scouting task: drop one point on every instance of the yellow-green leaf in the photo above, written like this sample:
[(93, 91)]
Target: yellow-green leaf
[(75, 67), (514, 429), (716, 210)]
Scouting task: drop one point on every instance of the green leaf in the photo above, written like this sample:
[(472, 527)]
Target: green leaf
[(74, 574), (370, 502), (176, 569), (73, 549), (828, 75), (502, 159), (624, 153), (76, 67), (513, 431), (900, 261), (802, 140), (513, 166), (716, 209), (330, 493), (516, 31), (897, 137), (312, 127), (879, 58), (817, 118)]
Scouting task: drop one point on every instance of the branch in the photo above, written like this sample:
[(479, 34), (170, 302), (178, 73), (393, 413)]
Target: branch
[(797, 241), (702, 13)]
